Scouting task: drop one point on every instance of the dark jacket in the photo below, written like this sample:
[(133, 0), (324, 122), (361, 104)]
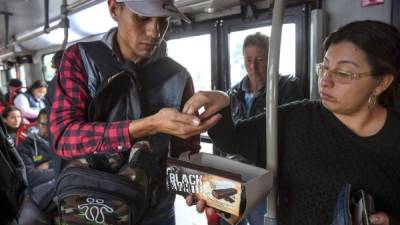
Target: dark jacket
[(12, 178), (34, 151), (289, 90), (317, 155), (12, 132)]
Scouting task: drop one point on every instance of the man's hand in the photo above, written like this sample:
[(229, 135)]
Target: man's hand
[(169, 121), (379, 218), (212, 101), (43, 166)]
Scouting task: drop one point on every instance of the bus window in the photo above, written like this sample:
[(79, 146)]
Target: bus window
[(180, 50), (287, 63), (23, 69), (183, 50), (206, 146), (13, 72), (48, 71)]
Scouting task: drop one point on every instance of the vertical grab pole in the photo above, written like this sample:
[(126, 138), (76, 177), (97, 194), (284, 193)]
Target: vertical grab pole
[(317, 35), (271, 105)]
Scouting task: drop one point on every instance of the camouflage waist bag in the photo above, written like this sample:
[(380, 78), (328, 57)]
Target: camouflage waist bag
[(89, 196)]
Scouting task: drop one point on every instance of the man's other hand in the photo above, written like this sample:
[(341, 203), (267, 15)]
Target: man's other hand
[(170, 121)]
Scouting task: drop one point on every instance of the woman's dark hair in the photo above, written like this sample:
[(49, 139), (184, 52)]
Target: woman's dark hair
[(15, 83), (381, 44), (43, 111), (37, 84), (8, 110)]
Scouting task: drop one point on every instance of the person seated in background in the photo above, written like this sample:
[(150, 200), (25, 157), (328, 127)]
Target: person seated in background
[(3, 103), (14, 88), (32, 101), (12, 118), (247, 99), (350, 136), (39, 162), (248, 96)]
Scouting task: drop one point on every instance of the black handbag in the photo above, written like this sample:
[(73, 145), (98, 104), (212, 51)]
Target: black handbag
[(353, 207), (90, 196)]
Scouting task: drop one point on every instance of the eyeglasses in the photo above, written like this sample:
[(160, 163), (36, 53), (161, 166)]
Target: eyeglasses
[(43, 123), (339, 76)]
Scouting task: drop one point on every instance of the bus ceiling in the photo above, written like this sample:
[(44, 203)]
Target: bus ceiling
[(24, 21)]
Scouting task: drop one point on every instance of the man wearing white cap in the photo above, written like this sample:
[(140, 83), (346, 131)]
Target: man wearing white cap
[(135, 42)]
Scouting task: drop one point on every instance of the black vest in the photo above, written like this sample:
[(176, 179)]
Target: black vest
[(157, 85)]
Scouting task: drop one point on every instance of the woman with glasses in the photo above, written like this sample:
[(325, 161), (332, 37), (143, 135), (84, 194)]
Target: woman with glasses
[(351, 135)]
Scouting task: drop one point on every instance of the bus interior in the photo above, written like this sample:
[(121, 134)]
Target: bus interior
[(210, 47)]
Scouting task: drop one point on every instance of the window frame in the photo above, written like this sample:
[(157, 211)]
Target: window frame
[(44, 66), (219, 29), (219, 32), (294, 15), (201, 28), (396, 14)]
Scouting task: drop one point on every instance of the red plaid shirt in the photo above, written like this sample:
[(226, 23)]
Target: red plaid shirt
[(73, 136)]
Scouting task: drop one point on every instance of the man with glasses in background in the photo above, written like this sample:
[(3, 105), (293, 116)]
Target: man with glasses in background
[(39, 162), (134, 43)]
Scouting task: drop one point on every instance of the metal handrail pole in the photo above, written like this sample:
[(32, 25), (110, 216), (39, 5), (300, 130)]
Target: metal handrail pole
[(65, 23), (317, 35), (32, 35), (271, 217), (74, 7)]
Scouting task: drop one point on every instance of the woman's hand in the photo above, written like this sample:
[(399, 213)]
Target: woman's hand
[(212, 101), (379, 218), (200, 205)]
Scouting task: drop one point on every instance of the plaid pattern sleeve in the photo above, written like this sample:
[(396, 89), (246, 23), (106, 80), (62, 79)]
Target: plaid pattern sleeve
[(191, 144), (72, 135)]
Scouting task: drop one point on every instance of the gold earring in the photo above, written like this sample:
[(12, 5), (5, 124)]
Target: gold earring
[(371, 102)]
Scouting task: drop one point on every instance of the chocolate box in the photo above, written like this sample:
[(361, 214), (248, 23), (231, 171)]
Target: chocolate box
[(231, 187)]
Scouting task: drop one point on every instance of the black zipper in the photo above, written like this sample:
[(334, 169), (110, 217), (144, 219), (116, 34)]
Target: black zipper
[(111, 178)]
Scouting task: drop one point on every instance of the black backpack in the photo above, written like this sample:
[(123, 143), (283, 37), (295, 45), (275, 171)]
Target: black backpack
[(12, 178)]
